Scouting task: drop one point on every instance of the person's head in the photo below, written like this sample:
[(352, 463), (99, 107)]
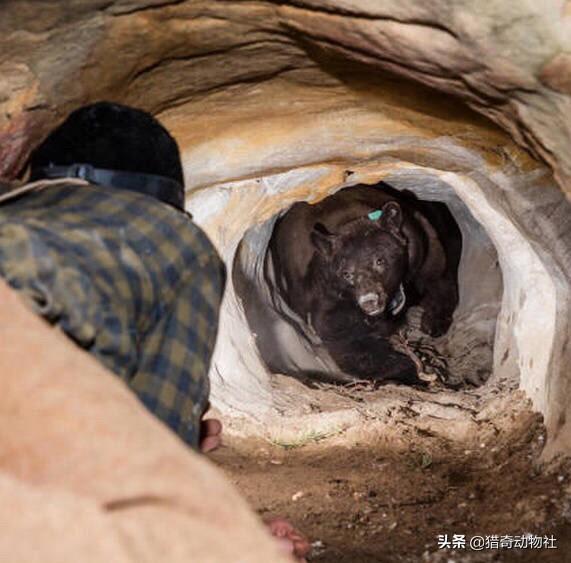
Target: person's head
[(114, 137)]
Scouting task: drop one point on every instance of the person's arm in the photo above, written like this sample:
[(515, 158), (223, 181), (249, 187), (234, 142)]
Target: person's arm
[(172, 379)]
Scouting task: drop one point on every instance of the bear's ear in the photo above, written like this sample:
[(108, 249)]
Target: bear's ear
[(322, 239), (391, 219)]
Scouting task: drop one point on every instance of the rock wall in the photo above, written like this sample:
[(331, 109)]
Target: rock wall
[(87, 474), (286, 98), (509, 62)]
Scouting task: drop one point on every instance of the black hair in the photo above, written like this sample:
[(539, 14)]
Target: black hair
[(111, 136)]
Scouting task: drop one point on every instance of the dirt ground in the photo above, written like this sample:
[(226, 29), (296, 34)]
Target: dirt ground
[(407, 466)]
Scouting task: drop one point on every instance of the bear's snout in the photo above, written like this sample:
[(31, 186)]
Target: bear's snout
[(372, 304)]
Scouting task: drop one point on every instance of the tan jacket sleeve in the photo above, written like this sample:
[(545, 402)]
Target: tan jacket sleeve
[(85, 469)]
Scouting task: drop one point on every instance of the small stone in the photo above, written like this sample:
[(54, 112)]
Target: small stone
[(297, 496)]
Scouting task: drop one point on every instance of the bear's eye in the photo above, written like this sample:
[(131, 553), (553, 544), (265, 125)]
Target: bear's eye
[(380, 262), (347, 275)]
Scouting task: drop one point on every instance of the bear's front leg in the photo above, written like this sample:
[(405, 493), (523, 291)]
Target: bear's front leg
[(374, 359), (438, 304)]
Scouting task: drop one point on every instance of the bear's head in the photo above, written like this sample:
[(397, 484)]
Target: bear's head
[(367, 259)]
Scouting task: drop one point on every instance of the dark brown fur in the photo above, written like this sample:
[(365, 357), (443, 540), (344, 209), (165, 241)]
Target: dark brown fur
[(341, 271)]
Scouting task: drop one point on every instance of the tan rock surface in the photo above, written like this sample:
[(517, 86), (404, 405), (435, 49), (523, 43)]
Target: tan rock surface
[(85, 469), (157, 54)]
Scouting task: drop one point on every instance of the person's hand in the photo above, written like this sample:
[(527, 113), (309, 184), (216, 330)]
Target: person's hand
[(210, 435), (291, 539)]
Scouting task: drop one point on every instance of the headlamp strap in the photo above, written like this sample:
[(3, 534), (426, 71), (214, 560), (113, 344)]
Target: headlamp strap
[(164, 189)]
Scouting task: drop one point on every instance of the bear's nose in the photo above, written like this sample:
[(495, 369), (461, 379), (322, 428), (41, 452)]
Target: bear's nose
[(371, 304)]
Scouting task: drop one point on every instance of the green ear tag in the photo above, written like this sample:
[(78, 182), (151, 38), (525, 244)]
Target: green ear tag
[(375, 215)]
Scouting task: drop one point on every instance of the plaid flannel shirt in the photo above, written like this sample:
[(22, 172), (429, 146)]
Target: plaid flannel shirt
[(131, 280)]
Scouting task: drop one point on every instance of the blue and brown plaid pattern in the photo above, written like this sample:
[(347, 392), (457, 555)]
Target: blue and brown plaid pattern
[(131, 280)]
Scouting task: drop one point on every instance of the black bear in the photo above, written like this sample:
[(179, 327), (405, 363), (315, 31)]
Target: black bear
[(353, 263)]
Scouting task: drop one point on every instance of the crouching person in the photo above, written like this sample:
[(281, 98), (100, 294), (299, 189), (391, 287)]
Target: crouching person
[(103, 248)]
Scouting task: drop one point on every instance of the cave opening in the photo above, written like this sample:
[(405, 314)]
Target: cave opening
[(460, 358), (491, 349)]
